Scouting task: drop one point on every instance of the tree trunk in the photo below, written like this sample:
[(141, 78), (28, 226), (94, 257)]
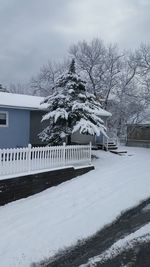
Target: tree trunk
[(68, 141)]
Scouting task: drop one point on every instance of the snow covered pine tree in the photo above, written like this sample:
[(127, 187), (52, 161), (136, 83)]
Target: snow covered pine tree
[(70, 109)]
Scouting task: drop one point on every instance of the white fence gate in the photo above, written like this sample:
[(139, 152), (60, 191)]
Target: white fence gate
[(28, 160)]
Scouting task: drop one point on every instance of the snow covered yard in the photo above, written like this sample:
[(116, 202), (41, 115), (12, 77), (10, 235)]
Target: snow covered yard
[(35, 228)]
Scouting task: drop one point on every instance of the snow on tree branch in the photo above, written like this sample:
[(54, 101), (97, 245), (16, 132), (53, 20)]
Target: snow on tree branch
[(71, 109)]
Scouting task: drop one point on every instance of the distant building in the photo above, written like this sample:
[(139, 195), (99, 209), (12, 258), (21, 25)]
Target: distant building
[(138, 134)]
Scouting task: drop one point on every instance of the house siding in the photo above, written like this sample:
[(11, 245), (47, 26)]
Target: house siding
[(78, 138), (86, 138), (17, 132), (36, 127)]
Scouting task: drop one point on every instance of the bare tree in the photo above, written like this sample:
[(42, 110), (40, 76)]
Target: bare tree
[(143, 56), (119, 80), (113, 69), (89, 58), (44, 83), (19, 88), (101, 65), (130, 95)]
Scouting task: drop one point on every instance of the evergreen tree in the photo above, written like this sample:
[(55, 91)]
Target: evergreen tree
[(3, 89), (70, 109)]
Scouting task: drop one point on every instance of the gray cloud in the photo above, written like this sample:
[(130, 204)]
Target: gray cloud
[(34, 31)]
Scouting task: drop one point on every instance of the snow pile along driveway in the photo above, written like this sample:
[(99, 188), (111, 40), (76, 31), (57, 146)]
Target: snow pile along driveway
[(129, 242), (34, 228)]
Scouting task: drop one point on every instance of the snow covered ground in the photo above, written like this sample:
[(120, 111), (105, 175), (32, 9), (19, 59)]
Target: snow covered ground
[(35, 228)]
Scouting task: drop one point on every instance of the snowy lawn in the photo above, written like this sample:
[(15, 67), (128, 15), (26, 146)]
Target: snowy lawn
[(35, 228)]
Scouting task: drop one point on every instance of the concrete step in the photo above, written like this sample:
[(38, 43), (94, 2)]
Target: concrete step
[(111, 144), (118, 152), (112, 148)]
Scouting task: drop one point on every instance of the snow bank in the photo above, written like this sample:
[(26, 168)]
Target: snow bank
[(34, 228), (138, 237)]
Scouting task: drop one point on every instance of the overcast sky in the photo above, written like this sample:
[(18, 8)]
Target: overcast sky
[(33, 31)]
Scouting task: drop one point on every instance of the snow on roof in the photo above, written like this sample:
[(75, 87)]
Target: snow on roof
[(9, 100), (19, 101)]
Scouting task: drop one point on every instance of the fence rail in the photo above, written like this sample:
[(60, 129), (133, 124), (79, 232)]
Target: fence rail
[(28, 160)]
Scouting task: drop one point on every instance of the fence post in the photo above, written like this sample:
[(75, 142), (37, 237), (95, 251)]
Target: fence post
[(0, 162), (106, 144), (90, 153), (102, 142), (29, 157), (64, 153)]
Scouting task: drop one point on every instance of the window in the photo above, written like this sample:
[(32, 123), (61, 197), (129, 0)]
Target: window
[(3, 119)]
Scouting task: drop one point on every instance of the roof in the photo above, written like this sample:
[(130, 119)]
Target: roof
[(9, 100)]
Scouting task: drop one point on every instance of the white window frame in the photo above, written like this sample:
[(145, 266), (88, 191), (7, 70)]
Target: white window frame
[(6, 113)]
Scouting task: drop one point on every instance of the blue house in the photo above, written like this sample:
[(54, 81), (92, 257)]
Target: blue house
[(16, 115), (20, 122)]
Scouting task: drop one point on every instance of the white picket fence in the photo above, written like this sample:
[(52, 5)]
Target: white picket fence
[(31, 159)]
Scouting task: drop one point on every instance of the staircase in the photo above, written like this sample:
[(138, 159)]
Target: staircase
[(109, 144)]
